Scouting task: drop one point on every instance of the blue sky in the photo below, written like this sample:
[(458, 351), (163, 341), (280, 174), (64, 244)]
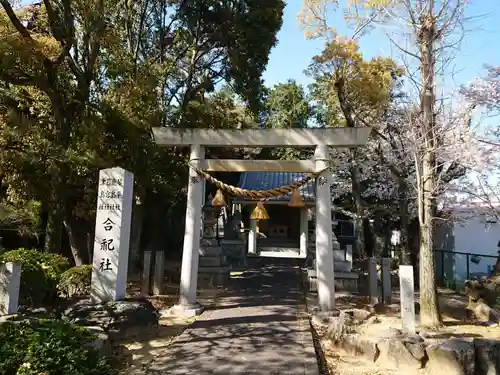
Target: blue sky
[(481, 45)]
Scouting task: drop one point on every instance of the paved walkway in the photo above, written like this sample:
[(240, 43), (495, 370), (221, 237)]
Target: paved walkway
[(258, 328)]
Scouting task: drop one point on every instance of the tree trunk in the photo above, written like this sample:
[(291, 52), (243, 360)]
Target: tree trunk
[(77, 236), (354, 170), (90, 244), (358, 202), (59, 173), (368, 238), (55, 217), (135, 238), (405, 224), (154, 234), (359, 231), (386, 253), (73, 244), (429, 313)]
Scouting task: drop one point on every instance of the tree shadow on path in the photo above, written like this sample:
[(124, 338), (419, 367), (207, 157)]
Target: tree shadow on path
[(254, 330)]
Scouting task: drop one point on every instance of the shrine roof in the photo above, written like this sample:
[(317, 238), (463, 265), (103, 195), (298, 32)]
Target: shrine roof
[(273, 180)]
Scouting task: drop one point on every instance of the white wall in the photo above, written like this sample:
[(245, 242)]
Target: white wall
[(475, 235)]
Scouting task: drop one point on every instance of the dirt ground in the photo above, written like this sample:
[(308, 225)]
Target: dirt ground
[(139, 351), (136, 353), (338, 362), (452, 308)]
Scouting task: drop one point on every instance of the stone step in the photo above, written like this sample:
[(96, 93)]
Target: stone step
[(233, 242), (235, 248), (212, 279), (338, 255), (347, 275), (216, 261), (311, 273), (344, 281), (339, 266), (209, 242), (221, 269), (342, 265), (347, 284), (210, 251)]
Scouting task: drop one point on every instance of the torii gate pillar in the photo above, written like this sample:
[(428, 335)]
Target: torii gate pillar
[(324, 244), (190, 252)]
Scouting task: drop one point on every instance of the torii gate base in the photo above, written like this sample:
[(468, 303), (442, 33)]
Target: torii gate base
[(197, 139)]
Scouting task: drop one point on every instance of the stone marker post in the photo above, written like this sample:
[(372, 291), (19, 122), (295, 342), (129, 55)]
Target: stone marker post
[(407, 296), (348, 256), (373, 280), (112, 235), (146, 272), (10, 282), (252, 237), (159, 274), (304, 231), (386, 280)]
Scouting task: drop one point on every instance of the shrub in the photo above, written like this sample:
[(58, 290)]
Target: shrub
[(13, 339), (75, 281), (49, 347), (40, 273)]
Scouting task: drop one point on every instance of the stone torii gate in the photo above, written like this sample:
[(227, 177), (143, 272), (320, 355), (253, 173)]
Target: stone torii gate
[(198, 139)]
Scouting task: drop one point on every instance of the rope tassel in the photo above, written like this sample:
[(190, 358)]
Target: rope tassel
[(259, 213), (296, 200), (219, 200)]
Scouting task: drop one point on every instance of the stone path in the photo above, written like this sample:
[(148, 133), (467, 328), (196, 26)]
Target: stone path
[(259, 327)]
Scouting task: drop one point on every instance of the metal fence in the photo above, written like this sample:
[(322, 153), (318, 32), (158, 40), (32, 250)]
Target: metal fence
[(453, 268)]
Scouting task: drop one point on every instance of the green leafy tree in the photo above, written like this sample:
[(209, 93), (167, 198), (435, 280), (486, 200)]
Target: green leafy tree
[(286, 106), (83, 83), (351, 91), (54, 54)]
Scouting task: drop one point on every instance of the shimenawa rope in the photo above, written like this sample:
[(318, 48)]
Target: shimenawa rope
[(256, 194)]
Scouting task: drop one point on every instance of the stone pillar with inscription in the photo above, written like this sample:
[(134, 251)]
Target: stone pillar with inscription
[(407, 298), (10, 284), (112, 235)]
